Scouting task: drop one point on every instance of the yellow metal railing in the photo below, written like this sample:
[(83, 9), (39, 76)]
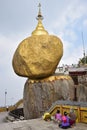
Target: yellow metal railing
[(81, 112), (3, 109)]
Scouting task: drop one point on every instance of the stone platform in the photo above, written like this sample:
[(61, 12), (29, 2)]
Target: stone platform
[(37, 124)]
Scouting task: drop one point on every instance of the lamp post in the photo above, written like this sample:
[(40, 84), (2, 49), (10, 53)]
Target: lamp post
[(5, 97), (12, 101)]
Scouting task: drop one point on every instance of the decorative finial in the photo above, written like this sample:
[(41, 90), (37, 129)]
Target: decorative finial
[(39, 29), (39, 17)]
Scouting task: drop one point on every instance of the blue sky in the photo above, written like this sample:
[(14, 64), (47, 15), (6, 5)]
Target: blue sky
[(66, 19)]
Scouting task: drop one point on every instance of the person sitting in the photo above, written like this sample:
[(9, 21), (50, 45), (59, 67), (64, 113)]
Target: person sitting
[(58, 117), (65, 121), (46, 116), (72, 116)]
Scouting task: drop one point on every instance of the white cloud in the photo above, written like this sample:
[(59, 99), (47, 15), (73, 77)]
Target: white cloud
[(85, 23), (9, 80), (72, 57), (68, 15)]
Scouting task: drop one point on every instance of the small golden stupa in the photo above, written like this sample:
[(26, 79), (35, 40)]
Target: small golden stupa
[(39, 29), (38, 55)]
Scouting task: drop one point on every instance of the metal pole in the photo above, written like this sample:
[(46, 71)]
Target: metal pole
[(5, 97), (84, 56)]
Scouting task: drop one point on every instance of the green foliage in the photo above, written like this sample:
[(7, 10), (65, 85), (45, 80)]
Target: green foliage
[(83, 60)]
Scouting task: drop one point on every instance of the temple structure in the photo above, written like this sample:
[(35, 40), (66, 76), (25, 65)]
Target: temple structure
[(37, 58)]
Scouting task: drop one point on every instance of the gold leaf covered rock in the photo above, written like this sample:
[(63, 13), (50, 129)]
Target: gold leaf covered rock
[(37, 56)]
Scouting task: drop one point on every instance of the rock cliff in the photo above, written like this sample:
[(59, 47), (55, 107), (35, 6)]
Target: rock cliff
[(40, 94)]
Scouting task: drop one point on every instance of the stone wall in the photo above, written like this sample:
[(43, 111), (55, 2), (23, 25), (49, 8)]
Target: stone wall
[(81, 93), (82, 79), (82, 88)]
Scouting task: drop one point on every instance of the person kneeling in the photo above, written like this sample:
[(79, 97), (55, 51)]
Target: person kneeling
[(73, 117), (58, 117), (65, 121)]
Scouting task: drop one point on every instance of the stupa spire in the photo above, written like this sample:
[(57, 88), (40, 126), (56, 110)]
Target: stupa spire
[(39, 29), (39, 17)]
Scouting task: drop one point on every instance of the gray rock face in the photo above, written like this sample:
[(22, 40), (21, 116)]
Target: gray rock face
[(81, 92), (39, 96)]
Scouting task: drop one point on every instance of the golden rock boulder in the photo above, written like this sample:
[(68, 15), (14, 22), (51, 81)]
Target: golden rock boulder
[(37, 56)]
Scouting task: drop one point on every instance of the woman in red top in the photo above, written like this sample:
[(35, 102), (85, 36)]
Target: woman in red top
[(72, 116)]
